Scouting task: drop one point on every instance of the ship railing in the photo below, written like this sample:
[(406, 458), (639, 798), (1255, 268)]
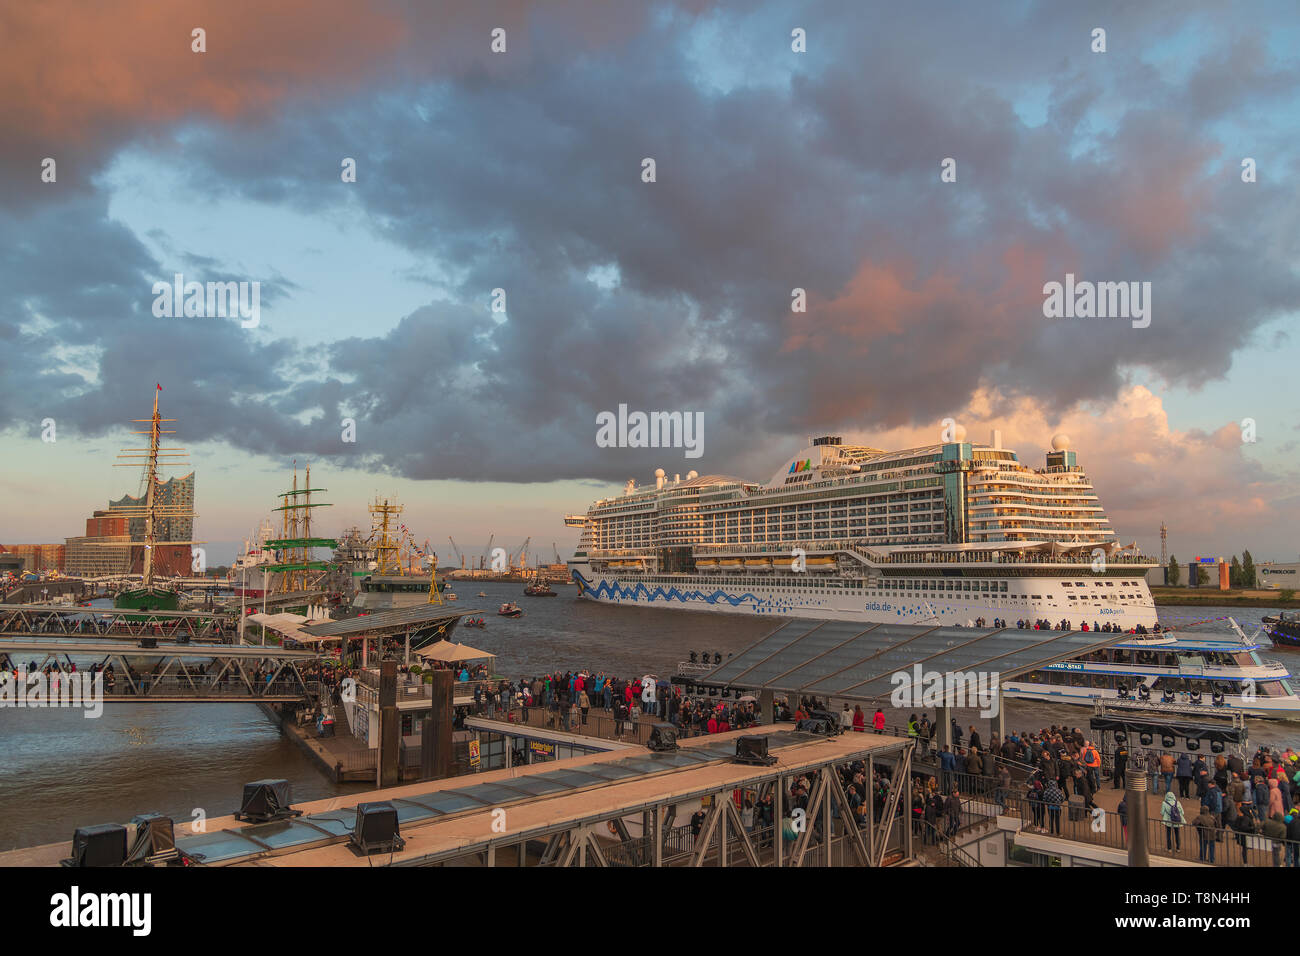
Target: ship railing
[(695, 667), (867, 551)]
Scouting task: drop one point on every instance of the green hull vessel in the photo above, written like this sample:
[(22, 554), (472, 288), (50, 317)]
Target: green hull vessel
[(148, 599)]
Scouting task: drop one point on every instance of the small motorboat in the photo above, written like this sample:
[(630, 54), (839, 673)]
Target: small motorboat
[(482, 594), (510, 609)]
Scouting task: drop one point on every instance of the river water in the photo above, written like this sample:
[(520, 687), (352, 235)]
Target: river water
[(59, 770)]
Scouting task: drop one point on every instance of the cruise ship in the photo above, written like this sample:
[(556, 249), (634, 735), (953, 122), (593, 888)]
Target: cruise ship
[(945, 534)]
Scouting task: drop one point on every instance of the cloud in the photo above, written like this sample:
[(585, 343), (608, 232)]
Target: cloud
[(523, 173), (1213, 496)]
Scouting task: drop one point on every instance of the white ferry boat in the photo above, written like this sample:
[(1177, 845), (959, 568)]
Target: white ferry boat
[(944, 534), (1172, 672)]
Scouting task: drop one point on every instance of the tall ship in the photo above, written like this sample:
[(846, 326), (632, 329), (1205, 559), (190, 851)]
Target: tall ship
[(157, 516), (944, 534)]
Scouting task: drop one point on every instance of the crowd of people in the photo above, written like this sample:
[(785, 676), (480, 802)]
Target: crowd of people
[(1065, 625)]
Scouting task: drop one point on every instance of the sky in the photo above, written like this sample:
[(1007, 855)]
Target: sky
[(500, 271)]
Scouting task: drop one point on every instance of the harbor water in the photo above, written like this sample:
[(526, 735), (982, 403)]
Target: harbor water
[(61, 770)]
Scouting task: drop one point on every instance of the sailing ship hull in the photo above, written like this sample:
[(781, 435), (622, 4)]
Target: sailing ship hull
[(148, 599)]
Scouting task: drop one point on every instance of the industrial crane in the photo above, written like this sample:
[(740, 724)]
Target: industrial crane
[(457, 552), (487, 552), (522, 560)]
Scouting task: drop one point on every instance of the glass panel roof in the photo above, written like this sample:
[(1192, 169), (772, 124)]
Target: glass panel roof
[(337, 822), (782, 636), (445, 801), (574, 778), (607, 771), (492, 793), (537, 784), (840, 657), (282, 833), (218, 846), (412, 811)]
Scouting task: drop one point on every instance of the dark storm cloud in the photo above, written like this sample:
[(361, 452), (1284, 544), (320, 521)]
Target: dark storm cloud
[(526, 176)]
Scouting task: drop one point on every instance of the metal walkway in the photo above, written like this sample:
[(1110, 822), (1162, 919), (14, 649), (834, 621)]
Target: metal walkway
[(60, 620), (170, 673)]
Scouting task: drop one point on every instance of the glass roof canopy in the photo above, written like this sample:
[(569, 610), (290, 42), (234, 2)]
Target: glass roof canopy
[(855, 661), (230, 846)]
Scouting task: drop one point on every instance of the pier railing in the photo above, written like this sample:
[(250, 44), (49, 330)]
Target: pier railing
[(1106, 828)]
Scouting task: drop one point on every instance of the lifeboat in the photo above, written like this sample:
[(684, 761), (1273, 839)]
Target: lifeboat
[(758, 564), (706, 564), (820, 564), (731, 564)]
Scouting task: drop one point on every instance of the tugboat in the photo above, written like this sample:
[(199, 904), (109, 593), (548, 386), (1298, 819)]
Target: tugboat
[(538, 588), (1283, 628), (510, 609)]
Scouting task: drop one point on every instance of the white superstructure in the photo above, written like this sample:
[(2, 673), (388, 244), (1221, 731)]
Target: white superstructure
[(945, 534)]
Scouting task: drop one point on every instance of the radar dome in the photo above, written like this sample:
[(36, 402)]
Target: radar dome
[(959, 433), (659, 472), (1061, 442)]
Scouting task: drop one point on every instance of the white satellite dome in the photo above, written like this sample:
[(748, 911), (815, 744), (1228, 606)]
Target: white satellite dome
[(659, 472), (959, 433), (1061, 442)]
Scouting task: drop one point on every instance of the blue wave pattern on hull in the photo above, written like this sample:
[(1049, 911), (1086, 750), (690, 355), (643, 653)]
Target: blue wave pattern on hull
[(760, 605), (604, 589)]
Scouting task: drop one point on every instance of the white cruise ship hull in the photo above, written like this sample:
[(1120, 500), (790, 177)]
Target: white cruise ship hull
[(820, 597)]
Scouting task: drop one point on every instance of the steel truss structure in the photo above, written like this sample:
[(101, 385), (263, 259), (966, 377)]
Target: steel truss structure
[(830, 834), (213, 674), (62, 621)]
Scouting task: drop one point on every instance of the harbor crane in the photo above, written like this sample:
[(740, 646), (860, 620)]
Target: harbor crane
[(522, 559), (457, 551), (487, 552)]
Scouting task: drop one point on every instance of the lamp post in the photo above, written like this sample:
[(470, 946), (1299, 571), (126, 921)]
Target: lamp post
[(243, 596)]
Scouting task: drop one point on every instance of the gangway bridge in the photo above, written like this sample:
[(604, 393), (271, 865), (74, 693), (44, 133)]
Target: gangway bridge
[(175, 673), (60, 620)]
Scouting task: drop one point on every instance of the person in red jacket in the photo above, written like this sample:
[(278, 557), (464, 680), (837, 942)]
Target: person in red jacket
[(713, 724), (878, 721), (859, 719)]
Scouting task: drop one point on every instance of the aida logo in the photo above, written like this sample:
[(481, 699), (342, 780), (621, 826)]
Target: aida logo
[(798, 466)]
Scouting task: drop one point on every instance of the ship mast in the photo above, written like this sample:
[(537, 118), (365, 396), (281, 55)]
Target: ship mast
[(150, 458), (151, 479), (297, 543)]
